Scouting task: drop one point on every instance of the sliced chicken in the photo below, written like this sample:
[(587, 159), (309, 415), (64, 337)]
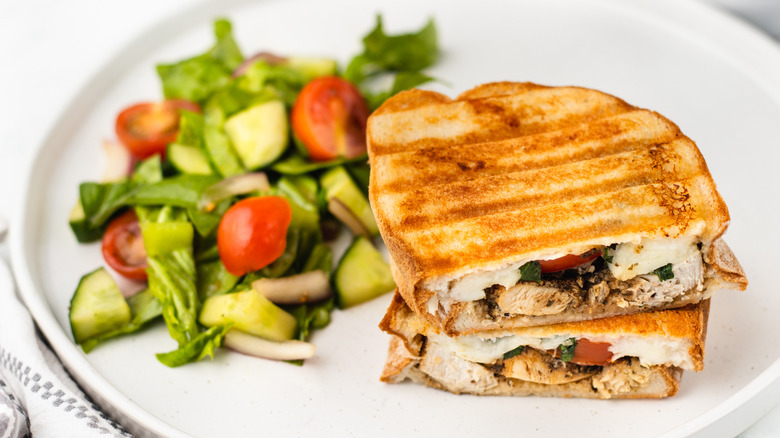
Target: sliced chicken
[(537, 366), (531, 299)]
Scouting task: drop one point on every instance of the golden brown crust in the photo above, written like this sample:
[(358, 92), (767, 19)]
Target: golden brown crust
[(726, 266), (512, 171), (398, 359)]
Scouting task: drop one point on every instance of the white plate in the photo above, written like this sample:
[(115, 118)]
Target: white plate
[(715, 77)]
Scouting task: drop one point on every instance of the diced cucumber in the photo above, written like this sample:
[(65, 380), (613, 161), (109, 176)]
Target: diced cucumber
[(188, 159), (249, 312), (259, 134), (339, 185), (166, 237), (81, 229), (362, 274), (313, 67), (97, 306)]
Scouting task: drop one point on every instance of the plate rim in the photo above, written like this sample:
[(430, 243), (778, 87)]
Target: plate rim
[(763, 57)]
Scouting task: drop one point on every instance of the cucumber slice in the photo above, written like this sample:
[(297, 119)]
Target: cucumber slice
[(188, 159), (249, 312), (340, 186), (81, 229), (259, 134), (217, 146), (97, 306), (362, 274), (313, 67)]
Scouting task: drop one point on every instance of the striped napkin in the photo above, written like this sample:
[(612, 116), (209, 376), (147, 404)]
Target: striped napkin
[(37, 396)]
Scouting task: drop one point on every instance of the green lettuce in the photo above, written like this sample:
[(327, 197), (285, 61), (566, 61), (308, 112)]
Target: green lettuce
[(196, 79), (199, 347)]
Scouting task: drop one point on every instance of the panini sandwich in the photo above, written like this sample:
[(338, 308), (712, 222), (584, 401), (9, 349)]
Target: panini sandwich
[(519, 205), (631, 356)]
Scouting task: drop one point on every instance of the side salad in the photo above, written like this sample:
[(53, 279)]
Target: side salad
[(224, 197)]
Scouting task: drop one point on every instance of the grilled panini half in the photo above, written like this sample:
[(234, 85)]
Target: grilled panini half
[(470, 193), (630, 356)]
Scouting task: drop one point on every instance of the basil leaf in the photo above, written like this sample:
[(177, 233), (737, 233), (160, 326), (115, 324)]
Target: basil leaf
[(567, 349), (531, 271), (607, 254), (513, 353), (664, 272)]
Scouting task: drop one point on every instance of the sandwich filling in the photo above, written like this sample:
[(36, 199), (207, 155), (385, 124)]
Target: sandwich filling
[(597, 350), (648, 273)]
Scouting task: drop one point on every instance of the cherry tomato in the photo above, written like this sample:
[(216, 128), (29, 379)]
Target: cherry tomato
[(568, 261), (253, 233), (591, 353), (588, 353), (329, 118), (123, 247), (147, 128)]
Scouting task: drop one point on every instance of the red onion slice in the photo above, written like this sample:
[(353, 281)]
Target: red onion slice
[(119, 161), (268, 57), (296, 289), (259, 347), (234, 185), (347, 217)]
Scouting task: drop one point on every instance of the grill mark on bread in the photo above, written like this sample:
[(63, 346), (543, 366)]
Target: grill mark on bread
[(430, 165), (601, 216), (489, 119), (519, 190)]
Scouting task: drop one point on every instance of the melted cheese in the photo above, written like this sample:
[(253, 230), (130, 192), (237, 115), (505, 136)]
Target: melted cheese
[(653, 350), (632, 259)]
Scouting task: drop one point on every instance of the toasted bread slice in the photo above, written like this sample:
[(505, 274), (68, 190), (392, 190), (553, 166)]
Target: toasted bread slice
[(469, 189), (669, 340)]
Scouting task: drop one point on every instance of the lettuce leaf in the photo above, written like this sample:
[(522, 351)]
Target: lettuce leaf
[(405, 56), (172, 281), (195, 79), (199, 347)]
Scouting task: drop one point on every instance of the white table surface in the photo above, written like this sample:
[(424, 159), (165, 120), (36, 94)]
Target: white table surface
[(49, 49)]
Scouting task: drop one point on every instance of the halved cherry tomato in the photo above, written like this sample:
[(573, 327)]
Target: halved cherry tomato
[(588, 353), (147, 128), (123, 247), (253, 233), (329, 118), (591, 353), (569, 261)]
